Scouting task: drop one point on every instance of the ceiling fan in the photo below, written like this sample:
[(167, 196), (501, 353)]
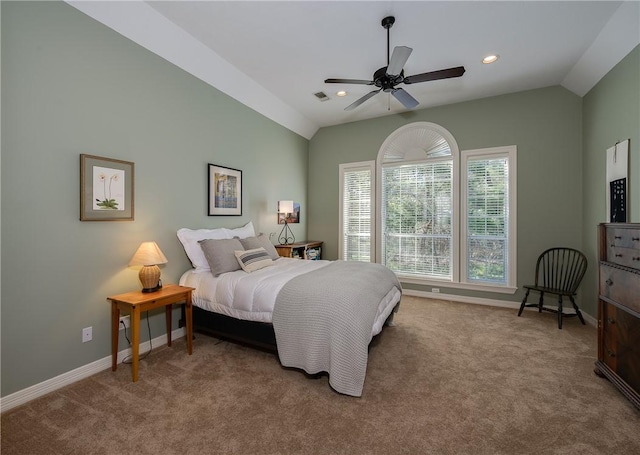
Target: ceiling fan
[(386, 78)]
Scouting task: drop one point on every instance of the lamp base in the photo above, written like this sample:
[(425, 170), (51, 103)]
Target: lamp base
[(286, 236), (154, 289), (150, 278)]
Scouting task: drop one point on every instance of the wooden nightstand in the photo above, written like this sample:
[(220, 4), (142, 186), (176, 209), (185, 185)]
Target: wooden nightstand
[(301, 250), (134, 303)]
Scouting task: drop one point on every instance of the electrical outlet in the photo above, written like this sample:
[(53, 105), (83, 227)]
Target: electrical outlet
[(126, 320), (435, 290), (87, 334)]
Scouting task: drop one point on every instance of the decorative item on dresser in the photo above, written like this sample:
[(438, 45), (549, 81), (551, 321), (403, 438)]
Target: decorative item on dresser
[(301, 250), (619, 307)]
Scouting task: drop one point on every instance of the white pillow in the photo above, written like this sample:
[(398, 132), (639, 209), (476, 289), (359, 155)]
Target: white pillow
[(252, 260), (244, 231), (190, 239)]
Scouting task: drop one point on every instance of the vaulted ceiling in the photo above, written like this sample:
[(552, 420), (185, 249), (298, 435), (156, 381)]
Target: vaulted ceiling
[(274, 55)]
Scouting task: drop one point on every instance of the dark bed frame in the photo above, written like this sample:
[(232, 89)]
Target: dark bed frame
[(255, 334), (258, 335)]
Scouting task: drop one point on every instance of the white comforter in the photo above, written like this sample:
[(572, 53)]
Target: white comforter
[(242, 295), (252, 296)]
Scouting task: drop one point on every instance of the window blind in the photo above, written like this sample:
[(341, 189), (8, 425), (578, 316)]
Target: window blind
[(417, 218), (488, 220), (356, 215)]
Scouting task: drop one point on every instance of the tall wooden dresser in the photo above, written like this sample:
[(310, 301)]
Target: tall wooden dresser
[(619, 307)]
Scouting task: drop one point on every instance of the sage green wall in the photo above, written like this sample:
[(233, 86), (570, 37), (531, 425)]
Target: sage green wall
[(611, 113), (544, 124), (69, 86)]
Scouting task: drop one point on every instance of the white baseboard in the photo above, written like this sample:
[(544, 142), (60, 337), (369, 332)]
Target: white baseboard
[(38, 390), (489, 302)]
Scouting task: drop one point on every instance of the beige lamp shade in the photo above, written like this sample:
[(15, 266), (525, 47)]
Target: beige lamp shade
[(148, 256), (285, 206)]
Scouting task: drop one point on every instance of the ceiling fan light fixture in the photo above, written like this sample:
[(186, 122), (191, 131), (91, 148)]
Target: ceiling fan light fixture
[(490, 59), (388, 77)]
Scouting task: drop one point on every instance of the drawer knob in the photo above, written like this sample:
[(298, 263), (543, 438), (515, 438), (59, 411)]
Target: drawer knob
[(635, 239), (617, 237), (618, 255), (636, 258), (611, 353), (611, 320), (609, 282)]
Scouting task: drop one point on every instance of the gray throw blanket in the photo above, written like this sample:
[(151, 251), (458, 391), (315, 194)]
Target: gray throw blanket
[(323, 320)]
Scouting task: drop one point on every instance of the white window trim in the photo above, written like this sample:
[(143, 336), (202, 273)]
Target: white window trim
[(357, 166), (455, 156), (459, 231), (495, 152)]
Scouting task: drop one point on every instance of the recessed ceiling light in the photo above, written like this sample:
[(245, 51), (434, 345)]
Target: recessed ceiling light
[(490, 59), (341, 93)]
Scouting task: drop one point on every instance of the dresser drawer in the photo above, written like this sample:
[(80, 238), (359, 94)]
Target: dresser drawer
[(628, 257), (609, 334), (609, 356), (626, 350), (620, 285), (609, 326), (626, 238)]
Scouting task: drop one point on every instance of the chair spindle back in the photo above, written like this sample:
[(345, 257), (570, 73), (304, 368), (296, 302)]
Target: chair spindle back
[(561, 268)]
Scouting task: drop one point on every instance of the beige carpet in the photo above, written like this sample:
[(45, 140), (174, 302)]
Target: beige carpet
[(449, 378)]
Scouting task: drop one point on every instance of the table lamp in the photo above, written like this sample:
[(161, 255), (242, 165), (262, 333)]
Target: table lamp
[(286, 235), (149, 256)]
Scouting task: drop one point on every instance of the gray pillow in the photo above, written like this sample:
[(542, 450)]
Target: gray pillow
[(262, 241), (220, 254)]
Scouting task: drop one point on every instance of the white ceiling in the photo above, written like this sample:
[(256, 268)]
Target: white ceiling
[(274, 55)]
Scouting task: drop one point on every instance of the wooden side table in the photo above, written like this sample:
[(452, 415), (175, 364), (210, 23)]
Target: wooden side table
[(300, 250), (134, 303)]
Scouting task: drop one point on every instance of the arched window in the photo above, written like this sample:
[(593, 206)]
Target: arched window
[(438, 215), (418, 190)]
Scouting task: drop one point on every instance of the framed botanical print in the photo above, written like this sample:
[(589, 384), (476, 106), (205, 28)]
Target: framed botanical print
[(106, 189), (225, 191)]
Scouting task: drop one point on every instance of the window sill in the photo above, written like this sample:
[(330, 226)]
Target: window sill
[(455, 285)]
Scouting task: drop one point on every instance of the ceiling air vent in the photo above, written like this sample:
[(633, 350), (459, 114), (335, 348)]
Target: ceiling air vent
[(322, 96)]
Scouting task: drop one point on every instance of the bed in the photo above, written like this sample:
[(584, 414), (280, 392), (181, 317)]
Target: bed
[(319, 316)]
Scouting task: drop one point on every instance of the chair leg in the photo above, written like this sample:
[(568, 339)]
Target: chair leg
[(578, 312), (540, 302), (560, 311), (524, 301)]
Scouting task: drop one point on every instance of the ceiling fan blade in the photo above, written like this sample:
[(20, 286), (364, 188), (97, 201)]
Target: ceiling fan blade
[(348, 81), (435, 75), (398, 59), (403, 96), (359, 101)]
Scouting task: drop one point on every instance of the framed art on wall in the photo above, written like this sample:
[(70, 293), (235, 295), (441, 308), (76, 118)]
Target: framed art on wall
[(225, 191), (106, 189), (617, 189)]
